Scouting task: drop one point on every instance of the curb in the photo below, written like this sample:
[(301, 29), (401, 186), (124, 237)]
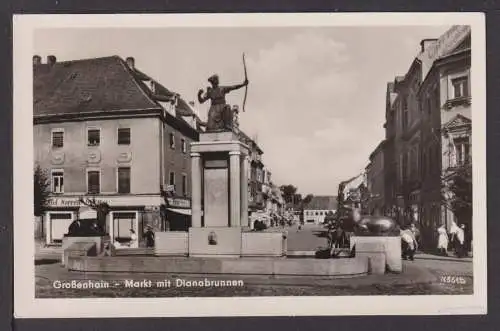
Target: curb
[(450, 259)]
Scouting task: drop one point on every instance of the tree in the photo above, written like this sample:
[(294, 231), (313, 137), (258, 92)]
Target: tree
[(41, 190), (457, 193), (307, 199), (289, 191)]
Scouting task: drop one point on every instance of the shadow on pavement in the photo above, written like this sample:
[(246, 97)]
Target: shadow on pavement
[(46, 261)]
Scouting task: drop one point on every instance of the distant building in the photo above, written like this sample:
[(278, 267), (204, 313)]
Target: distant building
[(104, 130), (256, 176), (376, 181), (316, 210)]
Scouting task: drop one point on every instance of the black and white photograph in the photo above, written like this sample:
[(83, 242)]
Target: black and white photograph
[(249, 164)]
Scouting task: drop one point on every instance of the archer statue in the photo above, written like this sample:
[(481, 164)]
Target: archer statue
[(220, 114)]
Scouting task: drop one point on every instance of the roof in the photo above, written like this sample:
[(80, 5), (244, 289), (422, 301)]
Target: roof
[(328, 202), (99, 85), (377, 149), (244, 138), (89, 85)]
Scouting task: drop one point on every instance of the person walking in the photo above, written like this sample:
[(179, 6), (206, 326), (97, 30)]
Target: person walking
[(133, 238), (460, 243), (408, 244), (149, 235), (442, 241)]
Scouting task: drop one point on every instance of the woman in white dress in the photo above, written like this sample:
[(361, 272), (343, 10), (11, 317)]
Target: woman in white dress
[(442, 240)]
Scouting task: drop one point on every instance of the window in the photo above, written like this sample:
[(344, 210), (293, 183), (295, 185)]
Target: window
[(57, 181), (184, 185), (424, 164), (93, 137), (462, 149), (405, 119), (124, 180), (183, 145), (93, 182), (124, 136), (171, 178), (172, 141), (460, 87), (57, 138)]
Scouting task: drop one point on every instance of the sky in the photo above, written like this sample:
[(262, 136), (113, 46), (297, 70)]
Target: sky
[(316, 95)]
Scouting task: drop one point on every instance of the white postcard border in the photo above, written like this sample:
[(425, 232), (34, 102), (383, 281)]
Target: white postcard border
[(25, 304)]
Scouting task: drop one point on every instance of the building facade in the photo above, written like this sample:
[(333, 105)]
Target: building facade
[(376, 181), (319, 206), (256, 175), (446, 132), (105, 131), (427, 126)]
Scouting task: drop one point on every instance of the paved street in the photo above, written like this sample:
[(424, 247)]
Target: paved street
[(306, 239)]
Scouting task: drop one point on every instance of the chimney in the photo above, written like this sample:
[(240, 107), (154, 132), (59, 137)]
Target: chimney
[(51, 60), (130, 62), (425, 43), (37, 59)]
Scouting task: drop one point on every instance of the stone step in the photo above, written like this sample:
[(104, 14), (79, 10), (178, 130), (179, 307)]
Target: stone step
[(135, 251)]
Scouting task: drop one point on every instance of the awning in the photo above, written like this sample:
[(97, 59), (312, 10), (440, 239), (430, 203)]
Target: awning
[(180, 211)]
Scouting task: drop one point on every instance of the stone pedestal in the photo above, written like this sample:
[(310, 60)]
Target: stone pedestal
[(389, 246), (219, 167)]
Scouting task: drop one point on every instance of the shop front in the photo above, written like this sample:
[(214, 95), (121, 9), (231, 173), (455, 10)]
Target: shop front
[(177, 214), (128, 215)]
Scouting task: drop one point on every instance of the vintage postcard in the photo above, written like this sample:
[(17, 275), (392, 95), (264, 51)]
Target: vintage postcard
[(249, 164)]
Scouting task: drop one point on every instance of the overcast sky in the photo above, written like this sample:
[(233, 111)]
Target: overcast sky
[(316, 98)]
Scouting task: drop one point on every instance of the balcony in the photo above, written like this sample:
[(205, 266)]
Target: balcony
[(461, 101)]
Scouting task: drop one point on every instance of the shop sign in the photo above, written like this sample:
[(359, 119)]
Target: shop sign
[(58, 202), (179, 202)]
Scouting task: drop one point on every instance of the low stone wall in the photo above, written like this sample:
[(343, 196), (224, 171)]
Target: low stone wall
[(227, 241), (78, 250), (171, 243), (98, 240), (348, 267), (384, 252), (263, 244)]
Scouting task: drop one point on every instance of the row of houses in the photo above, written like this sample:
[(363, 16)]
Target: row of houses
[(427, 135), (105, 130)]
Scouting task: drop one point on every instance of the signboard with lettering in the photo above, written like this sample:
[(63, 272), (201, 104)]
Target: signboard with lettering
[(75, 202), (179, 202), (113, 201)]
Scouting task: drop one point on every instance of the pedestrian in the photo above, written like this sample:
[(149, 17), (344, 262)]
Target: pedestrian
[(149, 235), (442, 241), (460, 247), (416, 232), (133, 238), (408, 244)]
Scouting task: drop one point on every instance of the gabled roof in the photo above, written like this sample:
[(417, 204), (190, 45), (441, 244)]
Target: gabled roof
[(89, 85), (328, 202), (458, 120)]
